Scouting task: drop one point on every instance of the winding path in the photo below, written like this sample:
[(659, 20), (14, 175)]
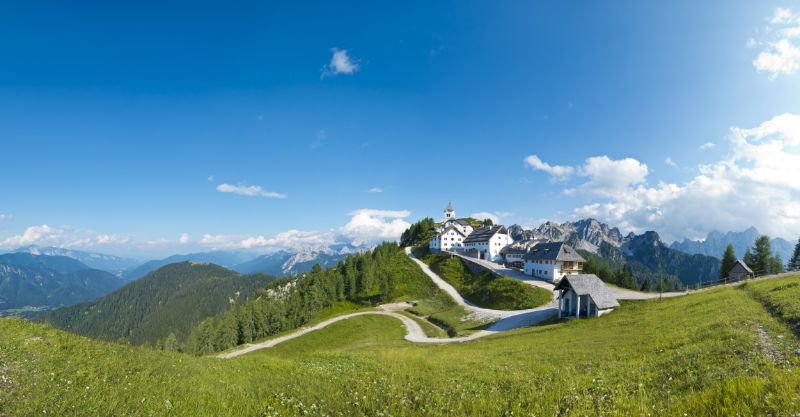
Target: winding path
[(505, 319), (477, 312)]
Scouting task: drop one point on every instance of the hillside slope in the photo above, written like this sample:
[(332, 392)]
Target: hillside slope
[(28, 280), (172, 299), (698, 355)]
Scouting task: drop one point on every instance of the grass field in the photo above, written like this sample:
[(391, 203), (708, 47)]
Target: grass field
[(693, 355)]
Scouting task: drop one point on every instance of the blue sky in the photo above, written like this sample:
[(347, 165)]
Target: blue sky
[(120, 123)]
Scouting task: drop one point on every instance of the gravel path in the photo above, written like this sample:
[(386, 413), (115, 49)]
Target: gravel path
[(475, 311), (505, 319)]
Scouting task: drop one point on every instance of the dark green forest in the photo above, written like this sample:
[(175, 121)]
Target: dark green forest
[(169, 301)]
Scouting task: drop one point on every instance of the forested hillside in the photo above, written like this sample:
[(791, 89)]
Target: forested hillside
[(170, 300), (28, 280), (377, 276)]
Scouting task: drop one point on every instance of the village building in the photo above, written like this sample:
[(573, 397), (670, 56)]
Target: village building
[(451, 238), (513, 255), (487, 242), (451, 232), (553, 261), (739, 272), (584, 295)]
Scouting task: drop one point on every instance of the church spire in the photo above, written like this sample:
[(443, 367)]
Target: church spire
[(449, 212)]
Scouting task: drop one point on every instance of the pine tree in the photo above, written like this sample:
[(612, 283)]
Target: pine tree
[(728, 261), (628, 281), (171, 343), (794, 262), (776, 265), (762, 256)]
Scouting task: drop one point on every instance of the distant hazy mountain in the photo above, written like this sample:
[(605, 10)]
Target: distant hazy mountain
[(715, 243), (649, 258), (172, 299), (41, 281), (646, 252), (226, 259), (290, 263), (110, 263)]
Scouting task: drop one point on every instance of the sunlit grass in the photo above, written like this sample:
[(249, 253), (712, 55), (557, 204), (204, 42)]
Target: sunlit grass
[(697, 355)]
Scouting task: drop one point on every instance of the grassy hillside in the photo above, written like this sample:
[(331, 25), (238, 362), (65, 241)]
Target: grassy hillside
[(695, 355), (173, 299), (484, 289), (780, 295), (382, 275)]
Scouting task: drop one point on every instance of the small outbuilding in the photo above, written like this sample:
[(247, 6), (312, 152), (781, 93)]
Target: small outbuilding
[(584, 295), (740, 271)]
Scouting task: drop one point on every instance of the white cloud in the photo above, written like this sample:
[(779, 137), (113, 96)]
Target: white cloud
[(556, 171), (341, 63), (755, 184), (606, 176), (184, 239), (707, 146), (366, 226), (670, 162), (609, 177), (782, 16), (376, 190), (6, 218), (63, 237), (251, 190), (782, 55)]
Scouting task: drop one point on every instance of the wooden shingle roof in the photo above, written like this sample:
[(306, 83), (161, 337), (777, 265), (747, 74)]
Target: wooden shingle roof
[(589, 284)]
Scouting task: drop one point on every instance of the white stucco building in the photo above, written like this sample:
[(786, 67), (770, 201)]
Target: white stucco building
[(451, 232), (487, 242), (451, 238), (553, 261)]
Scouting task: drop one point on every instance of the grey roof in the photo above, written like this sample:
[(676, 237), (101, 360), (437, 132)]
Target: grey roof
[(483, 234), (554, 251), (449, 206), (452, 228), (519, 248), (740, 263), (589, 284)]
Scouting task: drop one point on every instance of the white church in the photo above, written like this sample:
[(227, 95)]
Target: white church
[(458, 235)]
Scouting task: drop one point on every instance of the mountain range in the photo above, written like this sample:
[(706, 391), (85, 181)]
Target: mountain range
[(30, 281), (114, 264), (648, 257), (714, 244), (302, 260)]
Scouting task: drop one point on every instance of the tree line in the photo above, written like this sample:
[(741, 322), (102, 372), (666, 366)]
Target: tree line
[(760, 259), (382, 274)]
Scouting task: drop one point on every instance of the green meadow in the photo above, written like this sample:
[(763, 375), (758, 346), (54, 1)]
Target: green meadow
[(702, 354)]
